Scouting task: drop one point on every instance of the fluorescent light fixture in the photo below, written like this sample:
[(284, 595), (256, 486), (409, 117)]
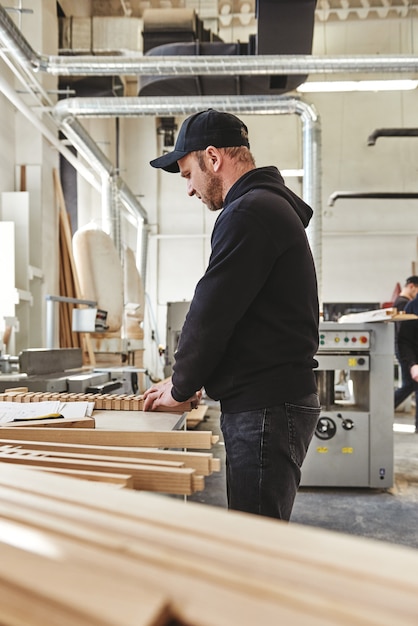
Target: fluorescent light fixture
[(403, 428), (357, 85)]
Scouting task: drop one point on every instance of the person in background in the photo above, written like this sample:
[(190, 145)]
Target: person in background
[(407, 295), (408, 351), (251, 333)]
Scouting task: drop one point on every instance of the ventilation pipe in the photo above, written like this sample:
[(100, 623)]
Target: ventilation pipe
[(391, 132), (182, 65), (370, 195), (135, 64), (67, 110)]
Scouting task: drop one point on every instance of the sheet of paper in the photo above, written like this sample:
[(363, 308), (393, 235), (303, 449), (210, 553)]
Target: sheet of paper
[(76, 409), (10, 411)]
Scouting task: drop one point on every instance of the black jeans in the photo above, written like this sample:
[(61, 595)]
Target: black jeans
[(408, 386), (265, 450)]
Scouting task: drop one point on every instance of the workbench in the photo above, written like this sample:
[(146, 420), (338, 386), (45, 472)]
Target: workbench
[(138, 420)]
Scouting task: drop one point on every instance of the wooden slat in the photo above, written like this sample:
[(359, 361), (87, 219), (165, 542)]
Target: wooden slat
[(161, 478), (201, 440), (35, 588), (196, 416), (118, 480), (72, 286), (203, 462), (218, 568)]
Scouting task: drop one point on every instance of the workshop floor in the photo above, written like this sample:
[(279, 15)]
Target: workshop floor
[(389, 515)]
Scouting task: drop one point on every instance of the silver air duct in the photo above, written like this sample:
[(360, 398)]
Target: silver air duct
[(66, 111), (245, 65), (133, 64)]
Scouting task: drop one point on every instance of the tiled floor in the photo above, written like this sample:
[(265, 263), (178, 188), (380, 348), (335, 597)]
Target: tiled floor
[(390, 515)]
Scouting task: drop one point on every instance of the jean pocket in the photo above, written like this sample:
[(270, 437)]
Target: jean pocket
[(301, 423)]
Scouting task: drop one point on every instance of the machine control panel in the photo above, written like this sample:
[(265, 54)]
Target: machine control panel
[(344, 340)]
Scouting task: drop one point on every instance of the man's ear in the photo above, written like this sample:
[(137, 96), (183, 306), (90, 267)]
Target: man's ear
[(214, 156)]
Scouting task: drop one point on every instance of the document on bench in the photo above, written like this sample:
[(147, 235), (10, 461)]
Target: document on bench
[(19, 411)]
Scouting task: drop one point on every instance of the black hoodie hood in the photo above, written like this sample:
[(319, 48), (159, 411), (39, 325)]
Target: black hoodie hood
[(269, 179)]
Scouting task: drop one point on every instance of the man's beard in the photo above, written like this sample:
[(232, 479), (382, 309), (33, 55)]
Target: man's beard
[(213, 193)]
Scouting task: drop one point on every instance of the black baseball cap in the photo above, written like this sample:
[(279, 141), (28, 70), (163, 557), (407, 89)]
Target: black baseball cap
[(207, 128)]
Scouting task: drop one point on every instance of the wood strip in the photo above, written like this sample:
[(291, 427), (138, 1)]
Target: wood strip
[(8, 450), (196, 416), (124, 481), (209, 562), (65, 228), (204, 463), (201, 440), (157, 478), (36, 589)]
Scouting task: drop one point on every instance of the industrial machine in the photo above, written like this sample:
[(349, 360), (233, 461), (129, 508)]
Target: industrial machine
[(176, 314), (60, 370), (353, 442)]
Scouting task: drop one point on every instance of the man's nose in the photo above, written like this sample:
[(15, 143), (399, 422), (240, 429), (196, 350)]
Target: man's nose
[(190, 189)]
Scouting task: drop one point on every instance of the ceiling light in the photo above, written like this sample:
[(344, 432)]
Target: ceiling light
[(357, 85)]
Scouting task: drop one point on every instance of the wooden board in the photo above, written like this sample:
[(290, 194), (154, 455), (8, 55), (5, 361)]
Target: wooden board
[(162, 478), (203, 462), (196, 416), (118, 480), (214, 568), (201, 440)]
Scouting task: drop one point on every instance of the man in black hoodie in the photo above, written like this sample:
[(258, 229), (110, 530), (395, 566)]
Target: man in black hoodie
[(251, 333)]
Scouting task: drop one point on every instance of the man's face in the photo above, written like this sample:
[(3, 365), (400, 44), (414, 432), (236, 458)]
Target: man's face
[(201, 181)]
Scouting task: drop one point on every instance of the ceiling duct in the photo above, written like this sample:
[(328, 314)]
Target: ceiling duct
[(283, 27)]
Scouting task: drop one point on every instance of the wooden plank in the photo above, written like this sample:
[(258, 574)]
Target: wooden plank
[(149, 477), (196, 416), (118, 480), (203, 462), (35, 588), (201, 440), (12, 450), (65, 230), (217, 568)]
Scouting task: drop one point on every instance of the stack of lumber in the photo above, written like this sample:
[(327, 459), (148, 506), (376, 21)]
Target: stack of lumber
[(79, 554), (128, 461), (68, 281)]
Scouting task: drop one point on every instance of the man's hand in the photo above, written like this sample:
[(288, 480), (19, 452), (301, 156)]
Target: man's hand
[(160, 396), (414, 372)]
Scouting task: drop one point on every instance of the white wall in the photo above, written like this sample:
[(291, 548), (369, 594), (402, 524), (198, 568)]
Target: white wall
[(368, 245), (23, 145)]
